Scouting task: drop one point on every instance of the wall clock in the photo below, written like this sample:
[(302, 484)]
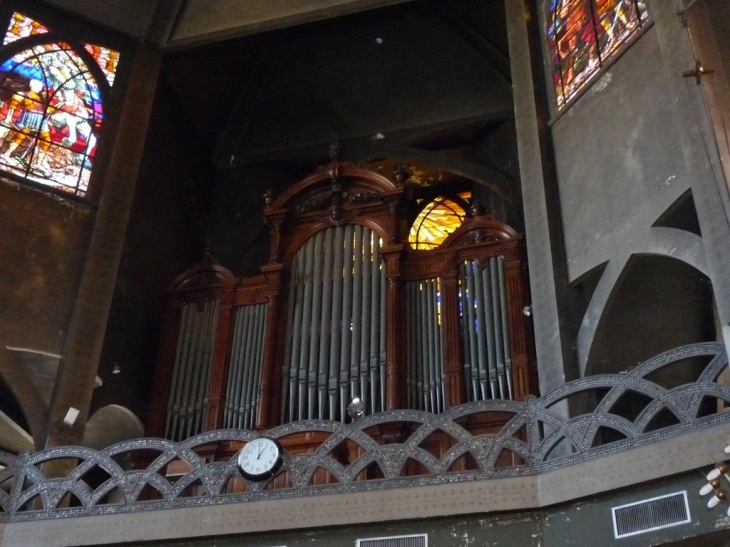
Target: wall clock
[(260, 458)]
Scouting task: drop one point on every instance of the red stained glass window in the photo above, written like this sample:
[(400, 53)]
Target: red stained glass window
[(584, 34), (51, 108)]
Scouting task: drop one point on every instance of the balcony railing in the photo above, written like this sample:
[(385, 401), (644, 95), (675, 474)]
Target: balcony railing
[(672, 394)]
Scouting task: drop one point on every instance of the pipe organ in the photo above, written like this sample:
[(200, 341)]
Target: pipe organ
[(345, 308)]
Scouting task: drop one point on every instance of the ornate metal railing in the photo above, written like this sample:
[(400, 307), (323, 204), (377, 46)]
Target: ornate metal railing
[(666, 396)]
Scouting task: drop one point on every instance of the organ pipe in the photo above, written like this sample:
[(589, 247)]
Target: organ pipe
[(244, 377), (335, 342), (424, 369), (487, 363), (187, 401)]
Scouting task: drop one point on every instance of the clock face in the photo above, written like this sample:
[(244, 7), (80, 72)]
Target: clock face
[(260, 458)]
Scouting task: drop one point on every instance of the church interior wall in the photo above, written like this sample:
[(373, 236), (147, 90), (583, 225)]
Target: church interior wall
[(644, 232), (630, 185), (42, 264)]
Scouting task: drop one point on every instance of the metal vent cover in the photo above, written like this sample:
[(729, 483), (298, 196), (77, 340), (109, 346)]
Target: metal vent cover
[(650, 514), (416, 540)]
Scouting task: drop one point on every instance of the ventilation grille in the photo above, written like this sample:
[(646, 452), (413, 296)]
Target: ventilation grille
[(652, 514), (419, 540)]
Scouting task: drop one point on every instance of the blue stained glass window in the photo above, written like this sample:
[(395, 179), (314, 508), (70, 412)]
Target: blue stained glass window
[(51, 109), (584, 34)]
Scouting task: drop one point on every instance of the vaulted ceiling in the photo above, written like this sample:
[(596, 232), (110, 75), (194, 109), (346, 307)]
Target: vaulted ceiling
[(407, 75), (377, 75)]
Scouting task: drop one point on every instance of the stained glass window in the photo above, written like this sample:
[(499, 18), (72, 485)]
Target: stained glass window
[(51, 109), (584, 34), (436, 221), (22, 27)]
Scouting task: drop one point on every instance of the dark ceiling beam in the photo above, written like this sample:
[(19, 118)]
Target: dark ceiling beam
[(364, 144), (248, 101), (206, 21), (162, 21), (478, 42), (502, 184)]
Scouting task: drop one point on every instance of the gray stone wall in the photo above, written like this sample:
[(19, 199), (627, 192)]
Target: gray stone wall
[(636, 166)]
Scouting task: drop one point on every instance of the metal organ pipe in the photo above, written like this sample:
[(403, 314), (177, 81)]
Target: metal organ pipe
[(243, 360), (335, 337), (471, 371), (479, 330), (505, 330), (249, 389), (355, 388), (229, 409), (430, 345), (346, 330), (261, 313), (337, 347), (488, 330), (198, 385), (315, 322), (244, 377), (173, 407), (383, 306), (201, 404), (496, 293), (422, 356), (367, 391), (485, 330), (191, 363), (411, 382), (373, 351), (424, 370), (439, 370), (237, 372), (296, 294), (187, 402), (325, 333), (303, 364)]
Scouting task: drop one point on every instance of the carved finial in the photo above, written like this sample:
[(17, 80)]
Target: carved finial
[(269, 197), (402, 174), (208, 253), (476, 209), (336, 151), (337, 201)]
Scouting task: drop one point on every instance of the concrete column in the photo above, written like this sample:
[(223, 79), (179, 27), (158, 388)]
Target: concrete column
[(554, 341), (75, 381)]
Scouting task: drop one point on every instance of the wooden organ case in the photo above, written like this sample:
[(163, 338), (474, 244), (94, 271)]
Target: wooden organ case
[(345, 308)]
